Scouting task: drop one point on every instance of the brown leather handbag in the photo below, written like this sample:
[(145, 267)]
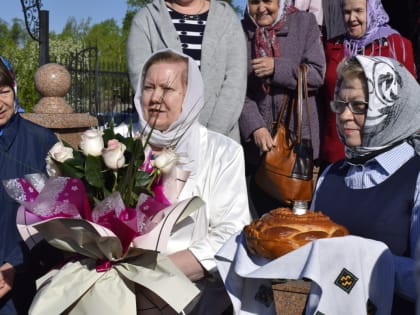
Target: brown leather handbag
[(285, 172)]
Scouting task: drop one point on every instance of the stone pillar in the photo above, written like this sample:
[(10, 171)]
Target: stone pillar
[(290, 296), (53, 82)]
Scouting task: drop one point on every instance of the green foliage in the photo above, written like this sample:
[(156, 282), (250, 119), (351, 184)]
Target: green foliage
[(75, 30), (137, 4), (25, 63), (61, 48), (22, 51), (15, 36), (107, 36), (127, 22)]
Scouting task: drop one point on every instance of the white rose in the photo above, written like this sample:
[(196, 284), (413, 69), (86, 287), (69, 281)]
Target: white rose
[(113, 155), (60, 153), (51, 167), (122, 129), (139, 135), (92, 142), (165, 160)]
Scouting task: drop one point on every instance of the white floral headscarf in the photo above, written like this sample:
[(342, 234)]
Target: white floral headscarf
[(394, 107)]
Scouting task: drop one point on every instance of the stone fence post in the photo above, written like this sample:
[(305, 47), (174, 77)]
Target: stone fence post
[(53, 82)]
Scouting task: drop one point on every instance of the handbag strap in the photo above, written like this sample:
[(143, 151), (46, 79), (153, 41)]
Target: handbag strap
[(304, 72), (302, 96), (282, 110)]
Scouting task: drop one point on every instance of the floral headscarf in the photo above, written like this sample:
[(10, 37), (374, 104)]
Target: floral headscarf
[(8, 66), (184, 131), (283, 6), (393, 113), (376, 28), (266, 43)]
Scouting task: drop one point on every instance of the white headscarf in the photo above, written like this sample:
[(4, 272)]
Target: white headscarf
[(394, 107), (182, 133)]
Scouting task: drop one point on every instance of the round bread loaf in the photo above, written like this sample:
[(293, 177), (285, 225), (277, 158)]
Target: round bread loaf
[(280, 231)]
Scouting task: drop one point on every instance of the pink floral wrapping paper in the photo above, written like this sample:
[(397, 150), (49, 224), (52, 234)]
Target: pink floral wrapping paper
[(120, 247)]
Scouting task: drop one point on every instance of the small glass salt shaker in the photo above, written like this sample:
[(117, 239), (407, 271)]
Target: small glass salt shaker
[(300, 207)]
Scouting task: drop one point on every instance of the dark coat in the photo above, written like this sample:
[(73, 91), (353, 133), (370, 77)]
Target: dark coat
[(299, 42), (23, 149)]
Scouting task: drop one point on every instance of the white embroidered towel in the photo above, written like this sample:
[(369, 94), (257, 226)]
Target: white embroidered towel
[(348, 275)]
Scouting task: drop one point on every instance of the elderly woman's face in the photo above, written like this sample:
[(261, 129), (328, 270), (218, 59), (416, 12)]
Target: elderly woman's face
[(7, 105), (350, 125), (163, 93), (264, 12), (355, 17)]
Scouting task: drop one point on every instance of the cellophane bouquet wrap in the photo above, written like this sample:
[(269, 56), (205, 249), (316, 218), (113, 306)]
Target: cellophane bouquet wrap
[(113, 208)]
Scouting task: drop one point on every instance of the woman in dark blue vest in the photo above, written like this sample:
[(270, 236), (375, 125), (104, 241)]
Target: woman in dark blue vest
[(23, 148), (375, 190)]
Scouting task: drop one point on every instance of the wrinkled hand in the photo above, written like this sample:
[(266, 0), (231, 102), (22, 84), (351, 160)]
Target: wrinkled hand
[(263, 139), (263, 67), (188, 264), (7, 277)]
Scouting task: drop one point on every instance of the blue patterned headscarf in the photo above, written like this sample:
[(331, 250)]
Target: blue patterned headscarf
[(8, 66), (376, 28)]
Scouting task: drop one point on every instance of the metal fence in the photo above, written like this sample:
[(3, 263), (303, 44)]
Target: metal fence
[(103, 90)]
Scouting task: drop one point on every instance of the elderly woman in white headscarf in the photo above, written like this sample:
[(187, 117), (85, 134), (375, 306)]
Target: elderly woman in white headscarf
[(169, 99), (375, 190)]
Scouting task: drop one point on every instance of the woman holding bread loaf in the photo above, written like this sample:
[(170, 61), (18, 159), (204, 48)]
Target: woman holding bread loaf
[(375, 190)]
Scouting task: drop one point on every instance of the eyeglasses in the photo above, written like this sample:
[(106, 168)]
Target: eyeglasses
[(356, 107)]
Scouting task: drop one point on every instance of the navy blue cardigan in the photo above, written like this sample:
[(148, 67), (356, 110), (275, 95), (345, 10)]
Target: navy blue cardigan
[(23, 148)]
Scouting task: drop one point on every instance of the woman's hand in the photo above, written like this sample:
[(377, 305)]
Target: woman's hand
[(263, 139), (188, 264), (7, 277), (263, 67)]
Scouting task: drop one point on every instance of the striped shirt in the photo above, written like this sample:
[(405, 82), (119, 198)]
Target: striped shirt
[(374, 172), (190, 29)]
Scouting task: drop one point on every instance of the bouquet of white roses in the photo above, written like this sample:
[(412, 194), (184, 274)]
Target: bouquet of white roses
[(123, 165), (111, 205)]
